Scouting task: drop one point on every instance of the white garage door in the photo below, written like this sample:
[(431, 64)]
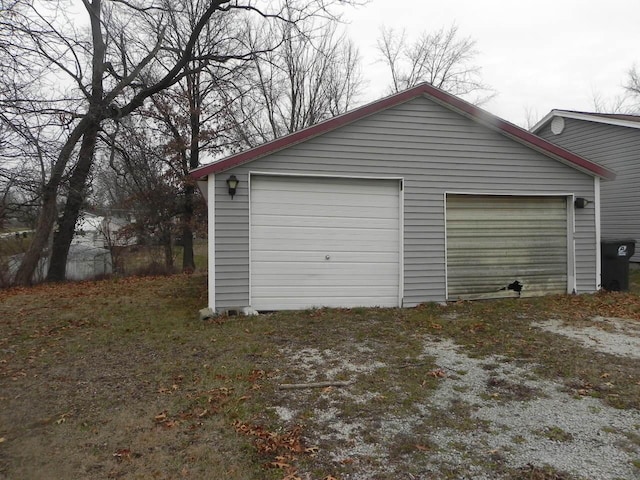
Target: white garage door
[(494, 241), (324, 242)]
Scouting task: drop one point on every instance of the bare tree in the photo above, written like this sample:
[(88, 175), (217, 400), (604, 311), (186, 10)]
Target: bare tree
[(633, 82), (139, 181), (441, 58), (619, 104), (531, 117), (627, 102), (190, 114), (632, 87), (110, 73), (314, 74), (314, 70)]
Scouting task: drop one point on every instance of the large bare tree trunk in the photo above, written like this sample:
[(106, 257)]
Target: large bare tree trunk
[(188, 259), (195, 100), (77, 185), (48, 212)]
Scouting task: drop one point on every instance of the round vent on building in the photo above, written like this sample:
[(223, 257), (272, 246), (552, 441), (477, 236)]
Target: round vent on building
[(557, 125)]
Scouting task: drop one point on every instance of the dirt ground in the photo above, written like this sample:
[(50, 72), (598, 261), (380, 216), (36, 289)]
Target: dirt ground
[(118, 379)]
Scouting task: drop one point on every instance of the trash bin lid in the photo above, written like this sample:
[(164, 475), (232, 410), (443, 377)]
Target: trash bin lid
[(618, 248)]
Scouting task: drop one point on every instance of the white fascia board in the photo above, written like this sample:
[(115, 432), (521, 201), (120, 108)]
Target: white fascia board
[(546, 119)]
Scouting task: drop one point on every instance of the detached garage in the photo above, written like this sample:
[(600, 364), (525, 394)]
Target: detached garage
[(416, 197)]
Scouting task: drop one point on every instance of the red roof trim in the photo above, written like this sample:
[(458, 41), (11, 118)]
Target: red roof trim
[(446, 99)]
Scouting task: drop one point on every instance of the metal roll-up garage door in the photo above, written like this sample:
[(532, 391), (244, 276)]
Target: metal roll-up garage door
[(495, 241), (324, 242)]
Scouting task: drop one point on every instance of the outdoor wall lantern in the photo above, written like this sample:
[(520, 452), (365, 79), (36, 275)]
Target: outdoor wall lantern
[(232, 183), (581, 202)]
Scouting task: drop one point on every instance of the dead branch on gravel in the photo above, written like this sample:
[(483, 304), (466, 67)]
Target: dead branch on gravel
[(293, 386)]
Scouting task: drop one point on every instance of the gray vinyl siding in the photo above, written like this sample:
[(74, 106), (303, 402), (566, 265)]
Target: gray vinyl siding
[(618, 149), (435, 150)]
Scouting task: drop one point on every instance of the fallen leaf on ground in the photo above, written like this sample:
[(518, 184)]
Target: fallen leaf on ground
[(123, 454)]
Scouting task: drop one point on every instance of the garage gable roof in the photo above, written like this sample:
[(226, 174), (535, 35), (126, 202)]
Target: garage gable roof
[(424, 89), (618, 119)]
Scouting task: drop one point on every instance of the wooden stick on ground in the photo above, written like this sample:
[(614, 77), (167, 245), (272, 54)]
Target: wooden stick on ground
[(292, 386)]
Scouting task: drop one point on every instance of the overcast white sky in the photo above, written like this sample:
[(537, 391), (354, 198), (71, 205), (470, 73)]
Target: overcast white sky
[(539, 55)]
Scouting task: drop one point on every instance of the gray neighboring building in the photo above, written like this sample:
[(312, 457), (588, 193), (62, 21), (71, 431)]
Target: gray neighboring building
[(417, 197), (613, 141)]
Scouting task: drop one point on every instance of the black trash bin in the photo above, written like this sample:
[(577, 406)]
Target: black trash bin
[(615, 263)]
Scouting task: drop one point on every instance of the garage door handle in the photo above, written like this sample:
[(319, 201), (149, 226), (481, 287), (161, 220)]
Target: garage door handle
[(327, 257)]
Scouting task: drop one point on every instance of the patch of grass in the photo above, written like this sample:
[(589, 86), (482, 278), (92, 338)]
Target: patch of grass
[(404, 444), (118, 380), (457, 416), (506, 391), (555, 434), (532, 472)]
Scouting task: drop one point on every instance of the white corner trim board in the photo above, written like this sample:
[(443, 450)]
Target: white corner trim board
[(211, 247)]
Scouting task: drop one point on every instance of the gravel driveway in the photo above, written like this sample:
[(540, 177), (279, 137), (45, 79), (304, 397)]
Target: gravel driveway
[(488, 417)]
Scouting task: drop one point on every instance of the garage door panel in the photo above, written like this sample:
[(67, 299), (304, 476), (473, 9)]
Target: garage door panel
[(493, 241), (509, 273), (544, 228), (337, 260), (319, 222), (287, 302), (532, 238), (321, 234), (332, 247), (312, 279), (326, 291), (297, 222), (329, 245), (379, 263), (499, 215), (340, 211), (335, 199), (262, 185), (530, 264)]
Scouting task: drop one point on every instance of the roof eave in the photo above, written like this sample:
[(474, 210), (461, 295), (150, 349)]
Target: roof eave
[(308, 133), (447, 100), (546, 119), (584, 117)]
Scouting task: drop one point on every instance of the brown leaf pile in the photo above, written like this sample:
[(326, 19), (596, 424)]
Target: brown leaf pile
[(605, 304), (283, 448), (214, 399)]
